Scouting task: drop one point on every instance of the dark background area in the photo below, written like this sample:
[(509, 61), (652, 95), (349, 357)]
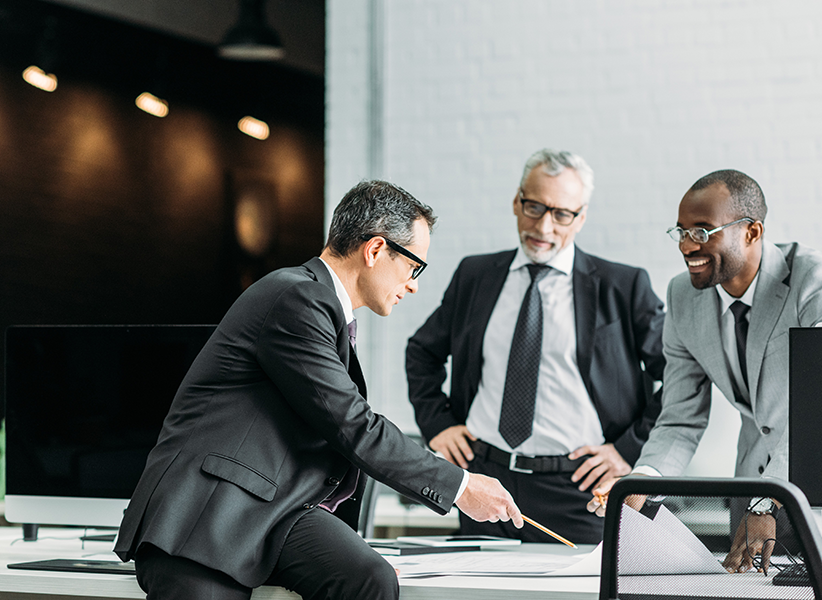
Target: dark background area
[(109, 215)]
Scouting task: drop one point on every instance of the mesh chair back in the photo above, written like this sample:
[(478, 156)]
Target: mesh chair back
[(673, 547)]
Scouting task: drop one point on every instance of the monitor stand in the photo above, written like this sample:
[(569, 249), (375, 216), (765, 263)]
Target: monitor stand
[(30, 532)]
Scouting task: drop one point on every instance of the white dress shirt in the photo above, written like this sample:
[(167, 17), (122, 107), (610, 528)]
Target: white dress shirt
[(564, 416)]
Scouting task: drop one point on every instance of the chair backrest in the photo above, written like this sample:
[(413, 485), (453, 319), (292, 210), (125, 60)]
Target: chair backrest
[(673, 546)]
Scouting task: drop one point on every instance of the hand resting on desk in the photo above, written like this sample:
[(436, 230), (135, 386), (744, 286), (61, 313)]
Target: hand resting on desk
[(754, 536)]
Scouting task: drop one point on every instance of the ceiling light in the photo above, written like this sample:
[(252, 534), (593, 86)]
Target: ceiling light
[(46, 54), (152, 104), (251, 38), (253, 127), (40, 79)]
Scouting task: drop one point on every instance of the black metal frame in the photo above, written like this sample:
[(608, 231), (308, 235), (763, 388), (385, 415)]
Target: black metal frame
[(791, 497)]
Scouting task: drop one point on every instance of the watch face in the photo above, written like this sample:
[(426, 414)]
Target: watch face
[(761, 506)]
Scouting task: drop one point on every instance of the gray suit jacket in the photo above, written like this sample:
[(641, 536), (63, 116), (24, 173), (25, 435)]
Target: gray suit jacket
[(788, 294), (267, 422)]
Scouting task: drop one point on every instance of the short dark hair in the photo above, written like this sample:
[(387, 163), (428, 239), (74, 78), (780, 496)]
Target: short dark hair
[(747, 199), (373, 208)]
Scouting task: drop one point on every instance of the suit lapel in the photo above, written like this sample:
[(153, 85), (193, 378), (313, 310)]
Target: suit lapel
[(320, 271), (355, 371), (769, 300), (586, 291), (488, 289), (707, 342)]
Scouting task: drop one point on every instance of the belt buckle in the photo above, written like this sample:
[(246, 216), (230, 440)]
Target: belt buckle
[(512, 464)]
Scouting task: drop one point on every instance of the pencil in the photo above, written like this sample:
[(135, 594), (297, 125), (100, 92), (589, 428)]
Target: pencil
[(548, 531)]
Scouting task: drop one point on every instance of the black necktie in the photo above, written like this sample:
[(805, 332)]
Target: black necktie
[(352, 333), (520, 393), (740, 309)]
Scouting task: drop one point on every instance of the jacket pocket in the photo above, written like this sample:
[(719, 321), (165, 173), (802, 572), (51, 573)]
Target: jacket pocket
[(240, 475)]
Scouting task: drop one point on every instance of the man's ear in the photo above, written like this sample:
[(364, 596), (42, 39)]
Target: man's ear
[(754, 232), (371, 249)]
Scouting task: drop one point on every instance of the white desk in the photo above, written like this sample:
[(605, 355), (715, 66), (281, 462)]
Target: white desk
[(41, 585)]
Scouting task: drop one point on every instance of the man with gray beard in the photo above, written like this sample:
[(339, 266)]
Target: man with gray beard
[(554, 353)]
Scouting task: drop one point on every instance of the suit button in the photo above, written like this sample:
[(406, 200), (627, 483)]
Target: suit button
[(766, 430), (761, 470), (425, 490), (307, 505), (439, 498), (333, 481)]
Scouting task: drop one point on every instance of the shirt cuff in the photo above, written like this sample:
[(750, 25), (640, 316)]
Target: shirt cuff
[(463, 485), (646, 470)]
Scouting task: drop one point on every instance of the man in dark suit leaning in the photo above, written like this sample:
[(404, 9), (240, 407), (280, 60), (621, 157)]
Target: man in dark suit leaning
[(263, 455), (553, 355)]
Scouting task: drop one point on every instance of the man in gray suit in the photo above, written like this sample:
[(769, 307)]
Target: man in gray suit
[(257, 473), (727, 324)]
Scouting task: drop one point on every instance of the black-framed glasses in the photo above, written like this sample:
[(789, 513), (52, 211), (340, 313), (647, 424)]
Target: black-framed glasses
[(700, 235), (535, 210), (421, 264)]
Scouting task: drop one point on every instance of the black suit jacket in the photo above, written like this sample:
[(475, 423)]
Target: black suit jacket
[(265, 425), (619, 346)]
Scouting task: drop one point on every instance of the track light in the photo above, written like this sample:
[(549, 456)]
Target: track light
[(253, 127), (251, 38), (37, 74), (152, 104), (40, 79)]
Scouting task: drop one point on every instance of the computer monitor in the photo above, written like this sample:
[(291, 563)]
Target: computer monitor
[(84, 405), (805, 411)]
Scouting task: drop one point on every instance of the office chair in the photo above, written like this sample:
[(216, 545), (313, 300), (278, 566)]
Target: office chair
[(673, 546), (368, 509)]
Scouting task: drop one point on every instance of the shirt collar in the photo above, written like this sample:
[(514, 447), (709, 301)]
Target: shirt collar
[(342, 294), (562, 262), (747, 298)]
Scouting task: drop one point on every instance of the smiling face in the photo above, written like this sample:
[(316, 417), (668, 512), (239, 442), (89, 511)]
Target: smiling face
[(730, 257), (390, 278), (542, 239)]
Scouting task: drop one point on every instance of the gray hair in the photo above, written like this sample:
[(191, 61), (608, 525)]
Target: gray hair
[(555, 162)]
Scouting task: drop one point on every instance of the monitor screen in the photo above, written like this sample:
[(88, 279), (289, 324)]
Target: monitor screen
[(805, 411), (84, 406)]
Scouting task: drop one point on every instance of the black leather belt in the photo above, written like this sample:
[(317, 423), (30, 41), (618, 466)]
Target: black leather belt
[(526, 464)]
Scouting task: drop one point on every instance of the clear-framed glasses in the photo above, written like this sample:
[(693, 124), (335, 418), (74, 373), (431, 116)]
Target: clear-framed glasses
[(421, 264), (535, 210), (700, 235)]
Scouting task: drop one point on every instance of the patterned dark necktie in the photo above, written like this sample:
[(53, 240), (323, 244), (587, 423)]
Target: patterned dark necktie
[(740, 309), (520, 393)]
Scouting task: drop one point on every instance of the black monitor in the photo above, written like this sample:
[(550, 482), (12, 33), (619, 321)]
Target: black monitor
[(805, 411), (84, 405)]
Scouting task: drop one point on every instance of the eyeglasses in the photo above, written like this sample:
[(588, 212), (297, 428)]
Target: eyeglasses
[(535, 210), (421, 264), (700, 235)]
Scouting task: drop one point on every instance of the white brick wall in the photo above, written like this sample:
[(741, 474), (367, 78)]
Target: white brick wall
[(653, 93)]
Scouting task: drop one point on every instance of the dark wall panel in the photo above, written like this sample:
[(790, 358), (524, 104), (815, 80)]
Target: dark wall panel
[(111, 215)]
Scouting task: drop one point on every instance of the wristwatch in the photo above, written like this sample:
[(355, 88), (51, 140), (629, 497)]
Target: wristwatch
[(763, 506)]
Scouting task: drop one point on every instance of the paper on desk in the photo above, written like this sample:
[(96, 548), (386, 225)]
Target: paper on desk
[(661, 546), (497, 564)]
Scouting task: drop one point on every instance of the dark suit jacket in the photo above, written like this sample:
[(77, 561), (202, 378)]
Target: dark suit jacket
[(619, 329), (264, 426)]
